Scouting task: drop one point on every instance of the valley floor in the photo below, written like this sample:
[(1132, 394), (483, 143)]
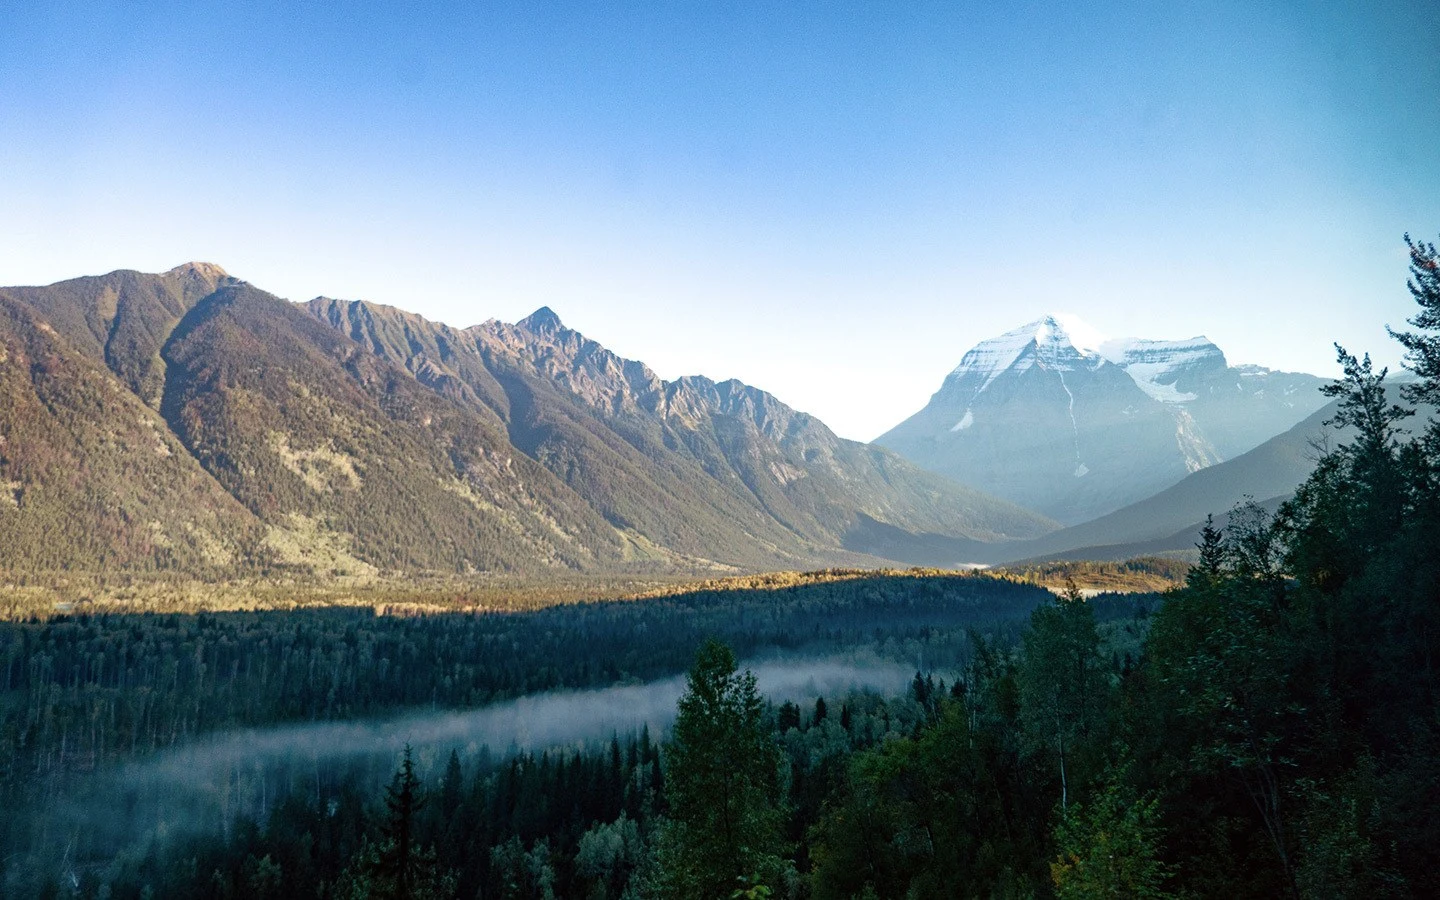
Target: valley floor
[(46, 596)]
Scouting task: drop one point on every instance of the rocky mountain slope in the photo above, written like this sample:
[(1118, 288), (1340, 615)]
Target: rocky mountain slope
[(191, 422), (686, 459), (1053, 417)]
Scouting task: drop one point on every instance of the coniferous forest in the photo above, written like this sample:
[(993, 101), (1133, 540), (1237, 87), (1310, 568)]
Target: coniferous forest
[(1269, 729)]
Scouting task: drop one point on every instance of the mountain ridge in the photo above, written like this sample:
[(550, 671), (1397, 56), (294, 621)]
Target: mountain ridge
[(347, 438), (740, 436)]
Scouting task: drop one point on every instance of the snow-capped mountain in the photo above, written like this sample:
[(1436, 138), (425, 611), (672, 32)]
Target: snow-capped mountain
[(1159, 366), (1238, 407), (1054, 416)]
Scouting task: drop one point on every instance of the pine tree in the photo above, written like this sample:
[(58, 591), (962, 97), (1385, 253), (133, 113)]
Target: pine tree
[(395, 868), (452, 786), (1212, 556), (402, 800), (1423, 350), (722, 785)]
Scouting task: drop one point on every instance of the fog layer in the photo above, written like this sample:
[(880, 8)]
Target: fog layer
[(206, 786)]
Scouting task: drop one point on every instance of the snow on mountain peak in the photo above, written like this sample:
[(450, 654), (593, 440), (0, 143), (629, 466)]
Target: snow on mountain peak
[(1158, 366), (1058, 339), (1123, 351), (1074, 330), (1169, 371)]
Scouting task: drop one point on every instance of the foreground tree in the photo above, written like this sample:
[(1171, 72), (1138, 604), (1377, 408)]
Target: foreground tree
[(395, 868), (1064, 684), (722, 784), (1423, 345), (1289, 691), (1109, 847)]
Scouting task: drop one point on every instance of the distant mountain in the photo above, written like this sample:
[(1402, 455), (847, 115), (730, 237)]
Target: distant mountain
[(191, 422), (1181, 544), (1171, 520), (1273, 469), (1053, 417), (1235, 407)]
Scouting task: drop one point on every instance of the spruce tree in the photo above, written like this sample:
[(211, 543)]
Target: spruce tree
[(1423, 350), (397, 868), (722, 785)]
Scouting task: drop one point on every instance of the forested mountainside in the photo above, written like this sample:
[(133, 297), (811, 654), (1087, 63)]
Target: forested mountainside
[(91, 478), (1060, 421), (641, 449), (320, 438), (124, 318), (245, 434)]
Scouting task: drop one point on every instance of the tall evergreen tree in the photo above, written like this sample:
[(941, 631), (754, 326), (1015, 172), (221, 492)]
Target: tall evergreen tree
[(1212, 556), (722, 784), (396, 868), (1423, 356)]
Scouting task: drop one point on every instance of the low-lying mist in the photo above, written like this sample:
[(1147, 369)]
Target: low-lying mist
[(532, 722), (206, 786)]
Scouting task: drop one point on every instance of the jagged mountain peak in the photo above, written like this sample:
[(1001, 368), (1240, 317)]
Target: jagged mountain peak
[(1055, 416), (605, 380), (1066, 328), (1056, 340), (542, 321)]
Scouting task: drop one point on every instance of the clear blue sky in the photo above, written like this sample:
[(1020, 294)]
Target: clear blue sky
[(831, 201)]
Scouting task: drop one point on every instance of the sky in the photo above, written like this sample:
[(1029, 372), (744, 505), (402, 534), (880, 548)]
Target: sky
[(831, 201)]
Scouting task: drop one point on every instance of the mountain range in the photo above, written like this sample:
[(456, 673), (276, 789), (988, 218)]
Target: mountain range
[(189, 421), (1059, 420)]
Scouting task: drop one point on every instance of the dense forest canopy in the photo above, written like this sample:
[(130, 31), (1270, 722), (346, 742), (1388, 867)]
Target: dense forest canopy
[(87, 694)]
